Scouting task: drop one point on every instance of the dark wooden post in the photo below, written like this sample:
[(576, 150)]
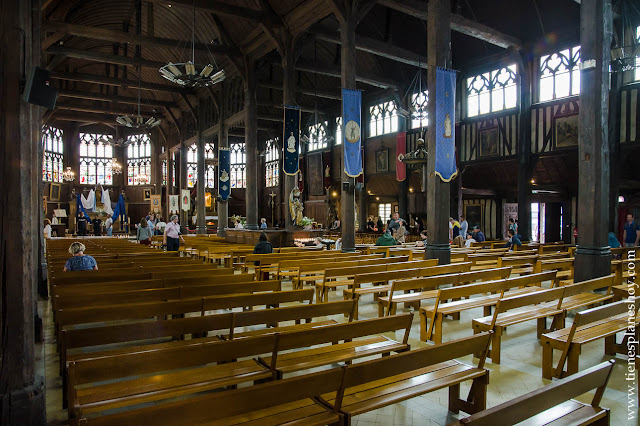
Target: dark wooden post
[(22, 391), (348, 77), (593, 257), (438, 209), (182, 183), (614, 147), (524, 149), (169, 185), (403, 187), (201, 227), (251, 144), (223, 142)]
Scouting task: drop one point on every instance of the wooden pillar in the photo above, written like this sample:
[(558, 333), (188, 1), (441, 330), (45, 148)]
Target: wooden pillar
[(348, 76), (614, 147), (22, 392), (251, 144), (182, 184), (289, 88), (524, 149), (169, 186), (223, 142), (593, 257), (403, 186), (201, 227), (438, 208)]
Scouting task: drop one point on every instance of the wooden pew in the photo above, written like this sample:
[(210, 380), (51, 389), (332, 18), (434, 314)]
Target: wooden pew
[(379, 383), (602, 322), (564, 268), (452, 301), (295, 401), (552, 404), (162, 374), (419, 289), (582, 294), (535, 310), (359, 339)]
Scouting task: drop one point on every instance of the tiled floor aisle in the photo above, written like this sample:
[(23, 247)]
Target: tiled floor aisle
[(518, 373)]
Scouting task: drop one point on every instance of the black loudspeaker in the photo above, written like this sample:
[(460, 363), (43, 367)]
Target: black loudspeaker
[(39, 91)]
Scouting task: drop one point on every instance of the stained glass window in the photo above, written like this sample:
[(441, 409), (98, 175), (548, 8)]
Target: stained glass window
[(53, 154), (317, 136), (192, 165), (419, 110), (139, 159), (95, 159), (383, 118), (492, 91), (638, 57), (338, 130), (560, 74), (272, 163), (238, 165), (164, 170)]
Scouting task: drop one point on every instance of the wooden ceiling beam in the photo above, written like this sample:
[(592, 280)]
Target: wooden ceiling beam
[(459, 23), (334, 71), (77, 94), (378, 48), (326, 94), (86, 118), (96, 108), (217, 7), (130, 38), (104, 57), (110, 81)]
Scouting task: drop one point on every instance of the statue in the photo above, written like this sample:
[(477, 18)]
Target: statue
[(73, 195), (291, 143), (447, 126), (295, 206)]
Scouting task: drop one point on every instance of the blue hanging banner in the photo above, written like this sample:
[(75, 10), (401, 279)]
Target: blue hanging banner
[(291, 140), (80, 208), (120, 210), (352, 134), (224, 173), (445, 124)]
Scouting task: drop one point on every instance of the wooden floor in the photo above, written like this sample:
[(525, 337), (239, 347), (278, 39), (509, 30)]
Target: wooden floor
[(518, 373)]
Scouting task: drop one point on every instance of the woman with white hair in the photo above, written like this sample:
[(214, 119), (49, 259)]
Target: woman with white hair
[(172, 234), (80, 261)]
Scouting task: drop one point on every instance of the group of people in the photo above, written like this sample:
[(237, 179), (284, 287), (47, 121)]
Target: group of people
[(151, 225), (395, 233)]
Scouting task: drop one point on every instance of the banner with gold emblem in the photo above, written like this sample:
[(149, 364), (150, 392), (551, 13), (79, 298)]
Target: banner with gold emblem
[(351, 113), (224, 173)]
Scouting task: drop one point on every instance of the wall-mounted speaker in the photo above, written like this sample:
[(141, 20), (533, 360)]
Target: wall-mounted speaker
[(38, 90)]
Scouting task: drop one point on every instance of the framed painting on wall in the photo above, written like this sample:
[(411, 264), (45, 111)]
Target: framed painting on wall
[(54, 191), (473, 214), (147, 194), (382, 160), (488, 142), (566, 131)]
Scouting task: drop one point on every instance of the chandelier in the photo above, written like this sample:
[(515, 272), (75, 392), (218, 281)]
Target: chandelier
[(137, 121), (116, 167), (68, 175), (189, 74)]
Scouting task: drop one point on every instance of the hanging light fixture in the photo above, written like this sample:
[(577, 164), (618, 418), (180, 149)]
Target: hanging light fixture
[(116, 168), (137, 121), (68, 175), (189, 74)]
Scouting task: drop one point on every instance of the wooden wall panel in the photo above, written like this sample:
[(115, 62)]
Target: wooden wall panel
[(507, 127), (630, 114)]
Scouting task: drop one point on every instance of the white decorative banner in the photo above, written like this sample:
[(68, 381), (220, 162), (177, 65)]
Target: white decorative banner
[(174, 201), (185, 199)]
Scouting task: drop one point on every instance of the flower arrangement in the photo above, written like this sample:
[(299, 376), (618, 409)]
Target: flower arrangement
[(306, 221)]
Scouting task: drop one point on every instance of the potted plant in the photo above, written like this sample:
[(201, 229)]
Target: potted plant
[(306, 223)]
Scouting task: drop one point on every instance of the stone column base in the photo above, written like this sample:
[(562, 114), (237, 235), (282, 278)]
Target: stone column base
[(24, 406), (592, 262), (442, 252)]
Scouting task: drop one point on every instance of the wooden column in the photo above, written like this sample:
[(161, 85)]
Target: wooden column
[(22, 392), (201, 227), (169, 186), (348, 76), (524, 149), (289, 88), (182, 184), (251, 144), (593, 257), (403, 186), (614, 147), (438, 209), (223, 142)]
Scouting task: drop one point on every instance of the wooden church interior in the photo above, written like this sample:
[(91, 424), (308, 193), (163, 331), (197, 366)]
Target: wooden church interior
[(332, 327)]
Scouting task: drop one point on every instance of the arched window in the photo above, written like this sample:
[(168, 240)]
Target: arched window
[(192, 165), (383, 118), (272, 163), (238, 165), (210, 169), (492, 91), (96, 156), (338, 130), (560, 74), (53, 154), (317, 136), (139, 159), (164, 170), (419, 110)]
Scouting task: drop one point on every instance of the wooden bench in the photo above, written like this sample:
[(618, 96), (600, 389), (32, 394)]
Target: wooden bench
[(521, 265), (602, 322), (419, 289), (359, 339), (582, 294), (379, 383), (532, 308), (166, 373), (552, 404), (452, 301), (564, 268)]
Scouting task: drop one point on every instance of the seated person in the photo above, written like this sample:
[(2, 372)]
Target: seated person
[(469, 240), (478, 235), (423, 239), (613, 241), (458, 242), (371, 225), (336, 225), (386, 239), (263, 246), (513, 240), (400, 232), (80, 261)]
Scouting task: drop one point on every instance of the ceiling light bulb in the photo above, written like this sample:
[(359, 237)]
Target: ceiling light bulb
[(206, 71), (218, 77), (175, 70), (190, 68)]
